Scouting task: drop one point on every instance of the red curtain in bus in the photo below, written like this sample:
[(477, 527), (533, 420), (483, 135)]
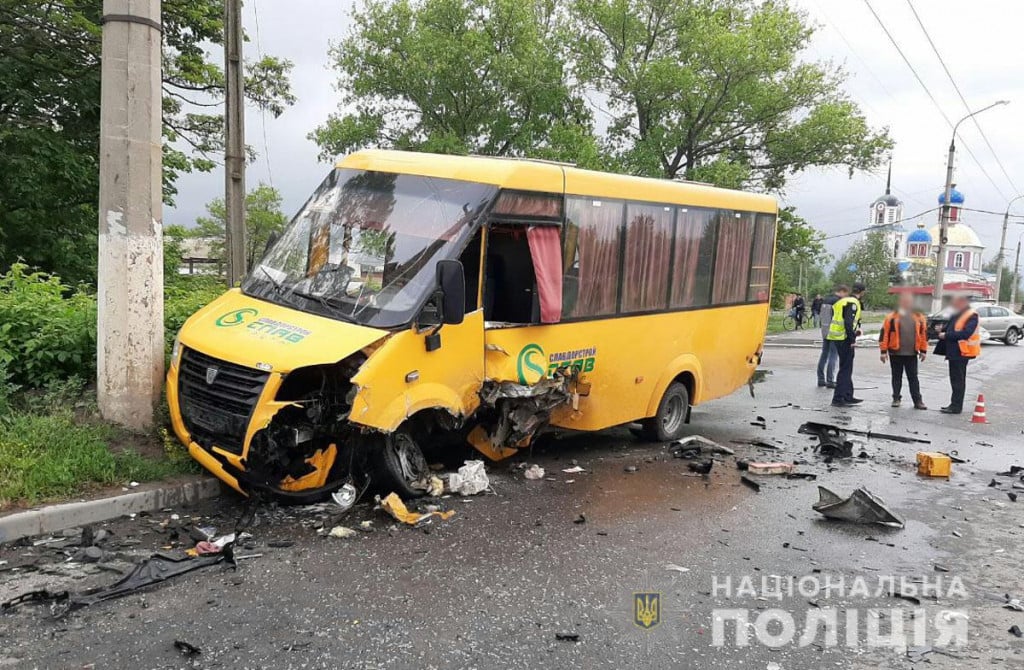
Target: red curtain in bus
[(546, 252)]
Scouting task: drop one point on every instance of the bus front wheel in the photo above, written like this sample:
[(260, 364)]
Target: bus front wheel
[(669, 422), (401, 463)]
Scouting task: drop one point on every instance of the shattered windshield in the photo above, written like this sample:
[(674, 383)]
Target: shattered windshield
[(365, 246)]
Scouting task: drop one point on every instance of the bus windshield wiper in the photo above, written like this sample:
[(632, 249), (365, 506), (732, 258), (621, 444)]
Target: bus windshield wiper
[(332, 304), (278, 286)]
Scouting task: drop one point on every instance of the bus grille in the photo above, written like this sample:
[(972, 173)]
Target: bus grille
[(216, 399)]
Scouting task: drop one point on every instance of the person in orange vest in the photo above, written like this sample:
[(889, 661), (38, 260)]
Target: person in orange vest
[(960, 342), (903, 341)]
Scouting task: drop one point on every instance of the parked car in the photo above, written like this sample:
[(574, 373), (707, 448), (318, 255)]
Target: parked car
[(1001, 323)]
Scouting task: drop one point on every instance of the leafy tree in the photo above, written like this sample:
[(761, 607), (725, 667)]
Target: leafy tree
[(717, 90), (263, 217), (800, 248), (1009, 279), (49, 119), (174, 250), (868, 261), (457, 76)]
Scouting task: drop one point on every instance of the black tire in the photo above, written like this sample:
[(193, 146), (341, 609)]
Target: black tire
[(400, 462), (1012, 338), (673, 414), (788, 323)]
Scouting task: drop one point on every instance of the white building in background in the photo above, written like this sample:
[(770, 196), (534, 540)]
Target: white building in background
[(887, 214)]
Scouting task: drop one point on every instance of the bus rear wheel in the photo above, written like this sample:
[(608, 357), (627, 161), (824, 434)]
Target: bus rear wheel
[(669, 422)]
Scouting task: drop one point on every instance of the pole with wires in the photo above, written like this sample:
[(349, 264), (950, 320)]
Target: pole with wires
[(1000, 257), (234, 150)]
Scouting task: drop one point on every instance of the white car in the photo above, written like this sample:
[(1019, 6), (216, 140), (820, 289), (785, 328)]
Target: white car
[(997, 323)]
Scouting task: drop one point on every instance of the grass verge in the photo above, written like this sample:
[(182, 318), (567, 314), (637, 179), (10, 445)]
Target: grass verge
[(53, 446)]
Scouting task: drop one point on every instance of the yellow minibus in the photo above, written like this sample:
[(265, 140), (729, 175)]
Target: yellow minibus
[(417, 300)]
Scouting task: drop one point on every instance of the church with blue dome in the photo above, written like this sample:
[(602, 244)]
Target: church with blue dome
[(915, 252)]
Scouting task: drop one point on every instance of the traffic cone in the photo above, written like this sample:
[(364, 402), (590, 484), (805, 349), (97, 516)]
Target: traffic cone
[(979, 410)]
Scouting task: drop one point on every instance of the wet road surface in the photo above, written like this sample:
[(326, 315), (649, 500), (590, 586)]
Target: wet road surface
[(515, 570)]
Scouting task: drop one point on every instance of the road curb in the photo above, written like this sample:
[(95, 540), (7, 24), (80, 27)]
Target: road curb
[(53, 518)]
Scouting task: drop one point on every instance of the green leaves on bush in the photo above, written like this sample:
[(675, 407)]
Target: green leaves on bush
[(48, 329)]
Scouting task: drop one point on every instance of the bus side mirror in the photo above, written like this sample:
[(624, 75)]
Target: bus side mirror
[(451, 280)]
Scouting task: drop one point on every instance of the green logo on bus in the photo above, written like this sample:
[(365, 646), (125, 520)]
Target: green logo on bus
[(236, 317), (526, 361)]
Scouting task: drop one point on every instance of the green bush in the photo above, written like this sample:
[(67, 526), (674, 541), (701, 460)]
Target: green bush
[(47, 330)]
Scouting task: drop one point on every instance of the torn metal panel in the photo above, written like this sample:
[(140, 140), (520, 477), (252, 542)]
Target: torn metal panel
[(861, 507), (511, 414), (158, 568)]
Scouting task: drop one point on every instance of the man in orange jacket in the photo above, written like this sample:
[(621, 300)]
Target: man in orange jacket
[(903, 342)]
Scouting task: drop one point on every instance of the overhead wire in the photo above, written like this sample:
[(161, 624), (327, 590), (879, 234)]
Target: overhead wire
[(263, 112), (960, 94), (931, 97)]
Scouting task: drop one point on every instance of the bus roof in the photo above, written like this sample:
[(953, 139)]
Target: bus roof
[(537, 175)]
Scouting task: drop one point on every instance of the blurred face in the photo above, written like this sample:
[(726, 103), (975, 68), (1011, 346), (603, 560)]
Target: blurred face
[(906, 302), (960, 303)]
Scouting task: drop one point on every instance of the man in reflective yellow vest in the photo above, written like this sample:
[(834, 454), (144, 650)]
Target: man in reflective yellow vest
[(960, 341), (843, 330)]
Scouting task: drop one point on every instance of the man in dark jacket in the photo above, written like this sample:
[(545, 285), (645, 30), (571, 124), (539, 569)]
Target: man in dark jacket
[(843, 330), (816, 310), (799, 310), (829, 357), (960, 342)]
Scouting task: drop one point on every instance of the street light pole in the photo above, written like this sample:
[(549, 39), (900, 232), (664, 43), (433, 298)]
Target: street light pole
[(940, 259), (1002, 247)]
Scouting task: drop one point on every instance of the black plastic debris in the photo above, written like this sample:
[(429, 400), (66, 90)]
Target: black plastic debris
[(750, 483), (904, 596), (1012, 472), (580, 519), (1016, 631), (687, 453), (993, 484), (187, 649), (861, 507), (832, 442), (700, 467), (760, 422), (1012, 496), (155, 569), (567, 637), (815, 428), (801, 475)]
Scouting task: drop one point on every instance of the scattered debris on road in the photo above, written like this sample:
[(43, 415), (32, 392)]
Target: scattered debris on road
[(534, 472), (934, 464), (567, 637), (700, 467), (747, 481), (702, 443), (341, 532), (770, 468), (189, 650), (157, 568), (345, 497), (394, 506), (470, 479), (861, 507), (832, 440)]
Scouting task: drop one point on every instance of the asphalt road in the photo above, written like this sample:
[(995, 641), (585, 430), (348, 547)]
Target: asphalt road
[(513, 571)]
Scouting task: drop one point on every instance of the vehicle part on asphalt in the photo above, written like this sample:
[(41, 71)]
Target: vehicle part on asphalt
[(813, 428), (567, 637), (770, 468), (394, 506), (934, 464), (511, 414), (470, 479), (832, 440), (580, 519), (1016, 631), (700, 467), (704, 444), (155, 569), (433, 486), (861, 507), (187, 649), (345, 497), (573, 470), (747, 481)]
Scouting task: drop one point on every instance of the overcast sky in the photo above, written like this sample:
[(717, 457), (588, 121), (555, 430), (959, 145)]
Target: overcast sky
[(980, 42)]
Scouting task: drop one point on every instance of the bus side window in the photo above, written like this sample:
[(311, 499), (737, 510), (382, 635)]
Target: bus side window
[(571, 266), (510, 286)]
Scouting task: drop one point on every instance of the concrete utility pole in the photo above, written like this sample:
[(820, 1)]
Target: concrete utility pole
[(1016, 276), (130, 323), (940, 259), (1000, 257), (234, 153)]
